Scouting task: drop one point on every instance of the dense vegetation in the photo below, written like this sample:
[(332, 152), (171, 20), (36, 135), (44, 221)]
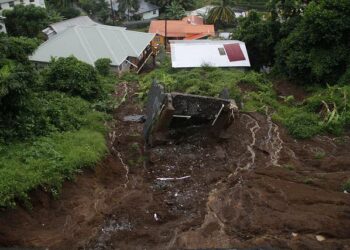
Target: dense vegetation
[(308, 43), (326, 110), (51, 120)]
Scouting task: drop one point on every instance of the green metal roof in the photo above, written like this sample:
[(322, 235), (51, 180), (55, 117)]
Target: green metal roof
[(89, 43)]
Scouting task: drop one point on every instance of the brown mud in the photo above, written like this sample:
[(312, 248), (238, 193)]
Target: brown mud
[(260, 188)]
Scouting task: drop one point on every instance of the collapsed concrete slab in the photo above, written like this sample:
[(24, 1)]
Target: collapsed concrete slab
[(172, 115)]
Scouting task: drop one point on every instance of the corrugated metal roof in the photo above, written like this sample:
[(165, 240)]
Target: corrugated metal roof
[(193, 54), (89, 43), (80, 20)]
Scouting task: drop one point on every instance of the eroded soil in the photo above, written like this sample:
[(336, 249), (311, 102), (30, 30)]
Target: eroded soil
[(258, 189)]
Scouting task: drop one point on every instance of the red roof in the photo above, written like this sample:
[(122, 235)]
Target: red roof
[(180, 28), (234, 52), (197, 20)]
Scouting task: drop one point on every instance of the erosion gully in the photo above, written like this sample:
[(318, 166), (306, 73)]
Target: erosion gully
[(260, 188)]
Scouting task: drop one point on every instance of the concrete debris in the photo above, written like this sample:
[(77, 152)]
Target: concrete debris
[(173, 115), (134, 118), (320, 238)]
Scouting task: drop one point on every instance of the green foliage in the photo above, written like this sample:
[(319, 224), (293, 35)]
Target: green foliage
[(47, 131), (186, 4), (25, 20), (222, 14), (127, 8), (346, 186), (175, 11), (70, 12), (16, 48), (317, 49), (72, 76), (103, 66), (46, 162), (260, 37), (98, 9)]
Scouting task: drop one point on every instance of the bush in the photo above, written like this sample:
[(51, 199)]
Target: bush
[(72, 76), (70, 12), (103, 66)]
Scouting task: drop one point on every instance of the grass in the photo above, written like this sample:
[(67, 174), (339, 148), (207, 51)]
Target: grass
[(325, 111), (346, 186), (48, 161)]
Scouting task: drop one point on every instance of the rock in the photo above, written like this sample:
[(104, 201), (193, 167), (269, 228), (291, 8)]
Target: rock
[(294, 234), (320, 238), (220, 153)]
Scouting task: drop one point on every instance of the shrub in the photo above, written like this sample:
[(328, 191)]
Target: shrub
[(72, 76), (346, 186), (103, 66)]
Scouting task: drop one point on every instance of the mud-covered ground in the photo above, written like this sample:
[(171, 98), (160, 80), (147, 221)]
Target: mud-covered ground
[(260, 188)]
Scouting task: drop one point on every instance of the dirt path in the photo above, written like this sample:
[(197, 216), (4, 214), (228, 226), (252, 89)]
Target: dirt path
[(258, 189)]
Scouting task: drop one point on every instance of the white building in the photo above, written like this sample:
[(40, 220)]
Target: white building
[(2, 25), (126, 49), (9, 4), (146, 10), (213, 53)]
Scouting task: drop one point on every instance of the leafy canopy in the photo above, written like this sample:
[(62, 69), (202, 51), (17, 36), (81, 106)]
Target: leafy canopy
[(26, 20)]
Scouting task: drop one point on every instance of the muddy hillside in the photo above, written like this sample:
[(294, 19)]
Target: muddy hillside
[(260, 188)]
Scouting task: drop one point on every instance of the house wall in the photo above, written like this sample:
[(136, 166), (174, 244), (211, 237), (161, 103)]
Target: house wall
[(157, 40), (10, 4), (150, 15)]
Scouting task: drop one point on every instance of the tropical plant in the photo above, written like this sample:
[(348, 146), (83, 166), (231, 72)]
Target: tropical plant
[(175, 11), (222, 14)]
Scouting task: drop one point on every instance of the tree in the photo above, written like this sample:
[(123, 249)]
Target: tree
[(260, 37), (186, 4), (74, 77), (317, 50), (97, 8), (175, 11), (26, 20), (128, 6), (222, 14)]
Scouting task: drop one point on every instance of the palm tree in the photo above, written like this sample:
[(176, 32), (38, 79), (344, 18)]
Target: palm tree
[(221, 14), (128, 6), (175, 11)]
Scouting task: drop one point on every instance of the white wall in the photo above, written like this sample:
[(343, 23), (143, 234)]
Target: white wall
[(150, 15), (6, 6)]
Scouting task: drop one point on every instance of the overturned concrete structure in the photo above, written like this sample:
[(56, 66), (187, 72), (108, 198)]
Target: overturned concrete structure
[(172, 115)]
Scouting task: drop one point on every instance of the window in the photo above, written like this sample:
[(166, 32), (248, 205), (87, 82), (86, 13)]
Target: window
[(21, 1), (222, 51), (154, 12), (11, 4), (0, 7), (32, 1)]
